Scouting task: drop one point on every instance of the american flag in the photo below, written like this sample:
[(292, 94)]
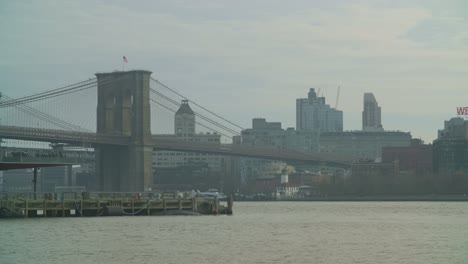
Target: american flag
[(125, 59)]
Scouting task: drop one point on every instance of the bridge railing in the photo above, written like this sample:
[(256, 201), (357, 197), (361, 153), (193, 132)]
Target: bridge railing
[(25, 196), (25, 159), (249, 151), (24, 155), (165, 143), (62, 136), (93, 195)]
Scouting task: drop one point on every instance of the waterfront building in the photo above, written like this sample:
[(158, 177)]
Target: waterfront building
[(51, 177), (373, 178), (455, 128), (451, 148), (312, 113), (371, 114), (362, 145), (18, 180), (262, 134), (271, 134), (275, 188), (415, 158), (167, 164), (21, 180)]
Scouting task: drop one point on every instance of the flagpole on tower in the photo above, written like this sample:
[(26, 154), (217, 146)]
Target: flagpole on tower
[(124, 61)]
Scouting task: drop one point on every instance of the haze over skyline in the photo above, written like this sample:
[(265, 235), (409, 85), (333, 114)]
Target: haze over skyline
[(249, 59)]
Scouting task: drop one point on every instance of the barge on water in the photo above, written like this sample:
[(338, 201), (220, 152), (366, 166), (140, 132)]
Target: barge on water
[(87, 204)]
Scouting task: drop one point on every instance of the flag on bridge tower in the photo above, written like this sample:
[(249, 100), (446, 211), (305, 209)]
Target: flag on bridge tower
[(125, 59)]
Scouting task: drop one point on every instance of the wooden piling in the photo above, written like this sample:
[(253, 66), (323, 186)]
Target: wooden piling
[(26, 208), (194, 205), (63, 207), (148, 207), (215, 206), (230, 203), (44, 208)]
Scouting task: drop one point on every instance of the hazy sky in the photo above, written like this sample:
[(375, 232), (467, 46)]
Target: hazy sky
[(253, 58)]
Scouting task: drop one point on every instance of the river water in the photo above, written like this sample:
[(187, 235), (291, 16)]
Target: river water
[(268, 232)]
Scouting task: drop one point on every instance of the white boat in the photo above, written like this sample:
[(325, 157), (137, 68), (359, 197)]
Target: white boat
[(211, 193)]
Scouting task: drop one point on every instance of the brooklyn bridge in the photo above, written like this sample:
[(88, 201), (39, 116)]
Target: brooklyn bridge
[(124, 116)]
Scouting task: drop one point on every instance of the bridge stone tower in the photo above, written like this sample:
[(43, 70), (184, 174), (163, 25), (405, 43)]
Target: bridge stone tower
[(124, 109)]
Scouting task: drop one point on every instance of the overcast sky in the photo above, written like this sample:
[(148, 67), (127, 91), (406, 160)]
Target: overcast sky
[(253, 58)]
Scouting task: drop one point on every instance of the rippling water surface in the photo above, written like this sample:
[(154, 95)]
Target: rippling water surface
[(271, 232)]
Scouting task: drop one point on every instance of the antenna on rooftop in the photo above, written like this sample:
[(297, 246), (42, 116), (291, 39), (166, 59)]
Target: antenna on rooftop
[(337, 97)]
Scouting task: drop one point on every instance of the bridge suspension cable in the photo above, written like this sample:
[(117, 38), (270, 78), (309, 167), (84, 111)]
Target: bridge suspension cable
[(36, 113), (209, 111), (53, 108), (198, 123), (52, 93), (168, 99), (72, 88)]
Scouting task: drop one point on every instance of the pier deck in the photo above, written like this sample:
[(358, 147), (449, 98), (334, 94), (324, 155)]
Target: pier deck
[(105, 204)]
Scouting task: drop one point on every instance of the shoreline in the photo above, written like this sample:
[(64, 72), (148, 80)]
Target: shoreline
[(369, 198)]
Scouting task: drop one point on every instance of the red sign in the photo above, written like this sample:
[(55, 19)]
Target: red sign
[(462, 110)]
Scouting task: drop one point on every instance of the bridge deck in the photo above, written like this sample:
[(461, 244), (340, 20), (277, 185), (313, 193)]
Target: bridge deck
[(173, 144), (29, 165)]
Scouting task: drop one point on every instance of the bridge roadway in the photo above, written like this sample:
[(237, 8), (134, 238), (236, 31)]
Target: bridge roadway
[(16, 158), (38, 155), (171, 144)]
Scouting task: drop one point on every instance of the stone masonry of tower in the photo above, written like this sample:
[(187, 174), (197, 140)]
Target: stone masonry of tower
[(124, 108)]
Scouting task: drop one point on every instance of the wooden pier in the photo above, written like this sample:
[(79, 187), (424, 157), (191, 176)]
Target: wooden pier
[(106, 204)]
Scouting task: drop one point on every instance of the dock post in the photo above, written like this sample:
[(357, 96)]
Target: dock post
[(133, 207), (63, 206), (180, 204), (164, 205), (26, 208), (148, 207), (194, 204), (215, 206), (35, 181), (44, 208), (230, 203)]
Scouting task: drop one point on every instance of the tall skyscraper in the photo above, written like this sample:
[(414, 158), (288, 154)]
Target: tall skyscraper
[(312, 113), (371, 115)]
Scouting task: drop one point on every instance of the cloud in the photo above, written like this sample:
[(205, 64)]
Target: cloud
[(445, 33)]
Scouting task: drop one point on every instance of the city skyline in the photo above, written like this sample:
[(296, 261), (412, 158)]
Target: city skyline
[(411, 55)]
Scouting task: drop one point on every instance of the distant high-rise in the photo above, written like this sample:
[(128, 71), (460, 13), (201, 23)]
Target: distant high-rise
[(450, 149), (184, 120), (371, 115), (312, 113), (182, 169)]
